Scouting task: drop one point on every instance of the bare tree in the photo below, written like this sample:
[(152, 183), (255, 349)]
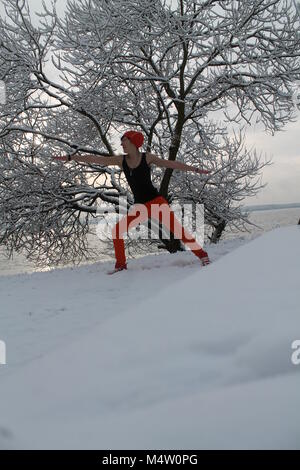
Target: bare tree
[(166, 68)]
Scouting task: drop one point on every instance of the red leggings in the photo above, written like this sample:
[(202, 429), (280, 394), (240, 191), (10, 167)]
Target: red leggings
[(161, 210)]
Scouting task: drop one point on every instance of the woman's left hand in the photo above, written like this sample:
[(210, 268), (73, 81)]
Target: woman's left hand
[(198, 170)]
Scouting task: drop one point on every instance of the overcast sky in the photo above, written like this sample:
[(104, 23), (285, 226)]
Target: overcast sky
[(283, 177)]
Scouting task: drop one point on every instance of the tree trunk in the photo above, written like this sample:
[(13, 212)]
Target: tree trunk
[(218, 230), (170, 244)]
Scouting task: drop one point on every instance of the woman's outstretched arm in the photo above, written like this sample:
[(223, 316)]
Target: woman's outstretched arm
[(98, 159), (155, 160)]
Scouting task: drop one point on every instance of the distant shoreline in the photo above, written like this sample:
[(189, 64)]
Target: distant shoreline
[(267, 207)]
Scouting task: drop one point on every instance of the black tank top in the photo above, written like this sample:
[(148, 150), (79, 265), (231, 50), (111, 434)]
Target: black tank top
[(139, 180)]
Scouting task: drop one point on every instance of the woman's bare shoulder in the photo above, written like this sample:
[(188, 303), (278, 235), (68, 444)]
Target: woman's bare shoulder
[(150, 157)]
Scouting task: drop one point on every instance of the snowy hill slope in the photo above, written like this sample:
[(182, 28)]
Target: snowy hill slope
[(200, 361)]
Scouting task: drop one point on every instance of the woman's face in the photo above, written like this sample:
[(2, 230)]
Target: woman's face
[(126, 144)]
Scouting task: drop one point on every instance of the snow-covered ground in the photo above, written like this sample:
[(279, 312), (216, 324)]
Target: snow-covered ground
[(166, 355)]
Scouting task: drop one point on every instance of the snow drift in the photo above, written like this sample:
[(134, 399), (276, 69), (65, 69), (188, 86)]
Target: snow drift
[(197, 361)]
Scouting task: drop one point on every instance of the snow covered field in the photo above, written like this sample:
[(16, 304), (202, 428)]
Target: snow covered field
[(167, 355)]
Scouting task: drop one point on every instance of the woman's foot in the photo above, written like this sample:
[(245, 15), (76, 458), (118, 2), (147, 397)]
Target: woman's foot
[(203, 256), (205, 260), (117, 269)]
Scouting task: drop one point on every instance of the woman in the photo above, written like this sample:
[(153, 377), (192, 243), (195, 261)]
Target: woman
[(136, 166)]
